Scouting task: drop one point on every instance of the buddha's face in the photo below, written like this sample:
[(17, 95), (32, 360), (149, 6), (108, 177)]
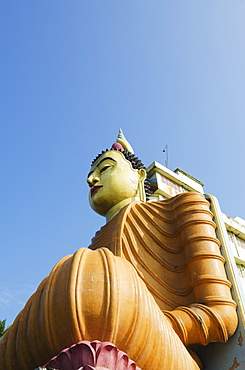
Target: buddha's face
[(112, 179)]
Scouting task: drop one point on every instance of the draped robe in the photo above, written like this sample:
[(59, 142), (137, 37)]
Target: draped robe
[(152, 282)]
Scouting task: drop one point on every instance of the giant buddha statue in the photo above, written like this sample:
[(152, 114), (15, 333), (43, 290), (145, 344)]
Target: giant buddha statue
[(152, 282)]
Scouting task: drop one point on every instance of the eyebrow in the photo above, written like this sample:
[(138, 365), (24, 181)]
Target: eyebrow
[(102, 160)]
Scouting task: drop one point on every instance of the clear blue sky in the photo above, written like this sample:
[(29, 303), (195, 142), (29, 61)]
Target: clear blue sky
[(72, 73)]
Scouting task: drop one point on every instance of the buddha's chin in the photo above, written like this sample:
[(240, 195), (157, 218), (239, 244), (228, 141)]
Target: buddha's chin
[(97, 205)]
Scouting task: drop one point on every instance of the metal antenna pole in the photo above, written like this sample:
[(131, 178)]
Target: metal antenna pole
[(165, 150)]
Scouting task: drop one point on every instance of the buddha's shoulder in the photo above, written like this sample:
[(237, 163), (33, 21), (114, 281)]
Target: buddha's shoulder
[(182, 198)]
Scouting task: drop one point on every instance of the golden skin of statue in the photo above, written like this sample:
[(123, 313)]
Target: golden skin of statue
[(152, 282), (114, 183)]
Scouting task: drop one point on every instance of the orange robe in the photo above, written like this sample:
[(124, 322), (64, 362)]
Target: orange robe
[(173, 247), (173, 282)]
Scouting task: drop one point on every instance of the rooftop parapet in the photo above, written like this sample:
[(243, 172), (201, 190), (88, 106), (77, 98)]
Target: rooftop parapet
[(166, 183)]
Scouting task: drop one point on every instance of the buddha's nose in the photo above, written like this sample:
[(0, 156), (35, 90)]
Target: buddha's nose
[(92, 180)]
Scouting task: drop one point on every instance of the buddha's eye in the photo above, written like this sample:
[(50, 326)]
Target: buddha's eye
[(104, 168)]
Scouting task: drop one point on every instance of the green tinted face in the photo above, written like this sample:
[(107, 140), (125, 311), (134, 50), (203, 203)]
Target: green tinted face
[(111, 179)]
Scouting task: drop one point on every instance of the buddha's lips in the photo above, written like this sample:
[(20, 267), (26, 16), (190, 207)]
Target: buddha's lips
[(95, 189)]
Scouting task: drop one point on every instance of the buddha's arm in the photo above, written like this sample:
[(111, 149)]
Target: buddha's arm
[(212, 317), (203, 324)]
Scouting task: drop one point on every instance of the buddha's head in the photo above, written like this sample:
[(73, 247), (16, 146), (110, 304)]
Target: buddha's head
[(116, 178)]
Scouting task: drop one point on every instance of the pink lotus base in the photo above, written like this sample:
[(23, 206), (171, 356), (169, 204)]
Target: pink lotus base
[(90, 356)]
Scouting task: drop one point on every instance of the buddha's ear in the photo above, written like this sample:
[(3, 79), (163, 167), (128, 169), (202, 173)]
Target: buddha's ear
[(142, 174), (141, 185)]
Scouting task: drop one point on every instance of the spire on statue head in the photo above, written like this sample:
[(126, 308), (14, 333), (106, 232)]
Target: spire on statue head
[(122, 143)]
